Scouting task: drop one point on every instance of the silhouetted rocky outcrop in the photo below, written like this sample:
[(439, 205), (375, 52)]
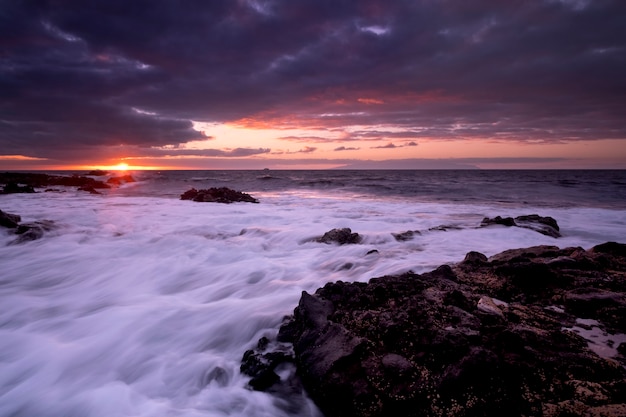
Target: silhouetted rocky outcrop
[(27, 182), (507, 335), (14, 188), (218, 195), (98, 173)]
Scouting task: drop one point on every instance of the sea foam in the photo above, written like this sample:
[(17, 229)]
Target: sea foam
[(143, 306)]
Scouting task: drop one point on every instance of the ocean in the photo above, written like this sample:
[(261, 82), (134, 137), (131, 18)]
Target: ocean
[(141, 304)]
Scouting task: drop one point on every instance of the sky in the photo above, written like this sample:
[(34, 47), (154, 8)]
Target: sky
[(312, 84)]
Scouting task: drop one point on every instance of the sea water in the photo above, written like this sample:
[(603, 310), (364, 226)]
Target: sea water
[(140, 304)]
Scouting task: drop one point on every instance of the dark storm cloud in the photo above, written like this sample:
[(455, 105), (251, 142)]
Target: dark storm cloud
[(77, 74)]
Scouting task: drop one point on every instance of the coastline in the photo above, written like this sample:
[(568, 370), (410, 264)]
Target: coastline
[(515, 334), (168, 294)]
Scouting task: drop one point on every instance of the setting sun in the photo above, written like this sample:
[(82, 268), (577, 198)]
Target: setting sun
[(120, 167)]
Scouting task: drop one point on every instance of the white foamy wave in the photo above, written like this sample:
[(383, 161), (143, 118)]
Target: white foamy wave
[(140, 306)]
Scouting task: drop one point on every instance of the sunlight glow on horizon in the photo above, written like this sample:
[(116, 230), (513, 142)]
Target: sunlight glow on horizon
[(121, 167)]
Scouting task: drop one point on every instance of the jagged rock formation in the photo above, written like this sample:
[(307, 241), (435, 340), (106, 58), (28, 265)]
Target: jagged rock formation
[(506, 335)]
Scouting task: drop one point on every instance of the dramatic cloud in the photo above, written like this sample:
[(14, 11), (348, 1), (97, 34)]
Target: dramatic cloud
[(80, 76)]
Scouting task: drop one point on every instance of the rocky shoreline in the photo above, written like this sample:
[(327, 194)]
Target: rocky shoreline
[(18, 182), (539, 331)]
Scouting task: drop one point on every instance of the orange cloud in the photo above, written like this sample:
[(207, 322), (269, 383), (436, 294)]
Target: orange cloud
[(20, 158), (370, 101)]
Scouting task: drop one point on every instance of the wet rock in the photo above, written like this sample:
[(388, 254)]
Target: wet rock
[(261, 363), (504, 221), (445, 228), (585, 301), (9, 220), (480, 338), (32, 231), (544, 225), (217, 195), (25, 231), (406, 236), (341, 236), (475, 258)]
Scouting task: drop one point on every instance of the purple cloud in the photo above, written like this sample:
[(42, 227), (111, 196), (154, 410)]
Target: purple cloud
[(77, 76)]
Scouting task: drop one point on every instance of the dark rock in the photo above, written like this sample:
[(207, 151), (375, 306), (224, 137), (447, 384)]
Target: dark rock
[(475, 258), (341, 236), (442, 272), (444, 228), (504, 221), (537, 253), (611, 248), (76, 181), (479, 338), (261, 363), (44, 180), (596, 303), (32, 231), (217, 374), (405, 236), (98, 173), (9, 220), (544, 225), (217, 195), (14, 188)]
